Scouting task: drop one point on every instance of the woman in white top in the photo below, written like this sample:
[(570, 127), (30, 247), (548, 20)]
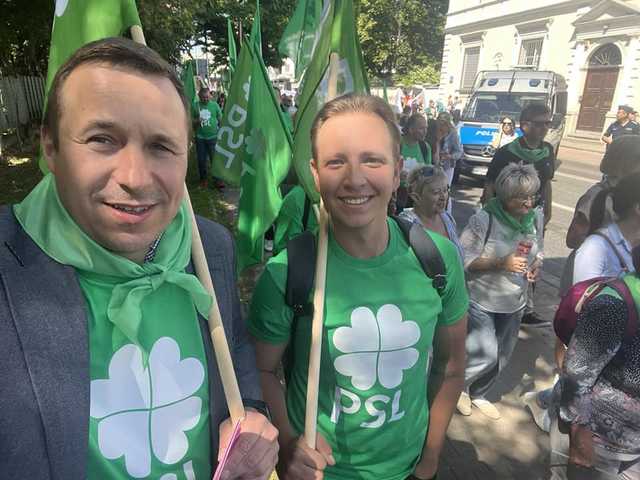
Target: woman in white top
[(502, 246), (507, 133), (607, 251)]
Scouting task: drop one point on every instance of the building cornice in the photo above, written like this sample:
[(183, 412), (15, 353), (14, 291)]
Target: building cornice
[(524, 16)]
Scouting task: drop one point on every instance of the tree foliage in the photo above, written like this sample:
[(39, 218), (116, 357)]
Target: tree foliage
[(402, 37)]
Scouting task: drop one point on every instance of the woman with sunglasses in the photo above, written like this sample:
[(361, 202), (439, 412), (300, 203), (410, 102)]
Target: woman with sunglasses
[(502, 253), (429, 189), (507, 133)]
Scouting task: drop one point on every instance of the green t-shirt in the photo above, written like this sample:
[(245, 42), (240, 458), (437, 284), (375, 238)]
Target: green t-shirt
[(380, 317), (289, 223), (412, 155), (208, 115)]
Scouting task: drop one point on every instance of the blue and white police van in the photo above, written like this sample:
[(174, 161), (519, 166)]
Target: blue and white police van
[(501, 93)]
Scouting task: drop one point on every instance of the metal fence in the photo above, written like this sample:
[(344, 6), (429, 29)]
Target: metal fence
[(21, 101)]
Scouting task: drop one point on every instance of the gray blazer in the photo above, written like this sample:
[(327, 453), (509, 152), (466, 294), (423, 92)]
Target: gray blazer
[(44, 356)]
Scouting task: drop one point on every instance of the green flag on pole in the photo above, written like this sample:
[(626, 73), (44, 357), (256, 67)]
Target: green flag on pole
[(338, 34), (189, 83), (267, 162), (302, 32), (230, 154), (233, 55), (78, 22), (256, 30)]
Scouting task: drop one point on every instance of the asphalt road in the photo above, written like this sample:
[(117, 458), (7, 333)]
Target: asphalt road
[(579, 169)]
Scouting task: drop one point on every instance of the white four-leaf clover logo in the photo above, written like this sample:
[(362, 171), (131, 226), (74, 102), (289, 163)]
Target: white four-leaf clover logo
[(147, 410), (376, 347), (256, 143), (205, 118)]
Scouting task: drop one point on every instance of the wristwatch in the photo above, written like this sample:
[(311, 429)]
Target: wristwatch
[(258, 405)]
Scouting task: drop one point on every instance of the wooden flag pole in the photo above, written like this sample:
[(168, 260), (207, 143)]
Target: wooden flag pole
[(315, 353), (216, 329)]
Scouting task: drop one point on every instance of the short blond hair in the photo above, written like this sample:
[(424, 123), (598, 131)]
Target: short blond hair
[(517, 180), (357, 103)]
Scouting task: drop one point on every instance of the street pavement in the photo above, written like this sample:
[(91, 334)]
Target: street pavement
[(513, 447)]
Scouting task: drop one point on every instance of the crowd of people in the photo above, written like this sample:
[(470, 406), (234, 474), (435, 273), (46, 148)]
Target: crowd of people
[(108, 366)]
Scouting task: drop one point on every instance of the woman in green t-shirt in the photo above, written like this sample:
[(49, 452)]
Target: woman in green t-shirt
[(382, 318)]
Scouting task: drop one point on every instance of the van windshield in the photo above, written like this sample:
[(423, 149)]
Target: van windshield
[(491, 107)]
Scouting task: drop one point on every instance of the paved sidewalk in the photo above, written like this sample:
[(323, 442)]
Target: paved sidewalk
[(512, 447)]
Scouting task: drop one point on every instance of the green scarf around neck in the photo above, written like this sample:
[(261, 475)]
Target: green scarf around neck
[(529, 155), (47, 222), (525, 226)]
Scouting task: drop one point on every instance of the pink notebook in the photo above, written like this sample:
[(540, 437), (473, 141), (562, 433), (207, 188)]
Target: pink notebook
[(225, 457)]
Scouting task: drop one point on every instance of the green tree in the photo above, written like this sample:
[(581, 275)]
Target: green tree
[(402, 36)]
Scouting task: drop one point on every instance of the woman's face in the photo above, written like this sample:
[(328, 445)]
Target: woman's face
[(355, 171), (519, 206), (507, 126), (434, 197)]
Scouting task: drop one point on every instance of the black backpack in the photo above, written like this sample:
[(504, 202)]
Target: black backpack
[(301, 269)]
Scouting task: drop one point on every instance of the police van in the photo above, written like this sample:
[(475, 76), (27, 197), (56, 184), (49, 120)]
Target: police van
[(501, 93)]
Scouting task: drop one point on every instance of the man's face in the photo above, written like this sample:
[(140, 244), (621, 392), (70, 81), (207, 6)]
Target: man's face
[(536, 129), (418, 131), (355, 171), (122, 157), (622, 115), (204, 96), (633, 116)]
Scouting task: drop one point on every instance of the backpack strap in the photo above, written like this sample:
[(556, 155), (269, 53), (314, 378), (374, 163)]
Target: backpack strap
[(301, 270), (427, 252), (623, 264), (305, 213)]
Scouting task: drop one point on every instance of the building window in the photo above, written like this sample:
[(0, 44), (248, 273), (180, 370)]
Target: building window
[(470, 67), (530, 52)]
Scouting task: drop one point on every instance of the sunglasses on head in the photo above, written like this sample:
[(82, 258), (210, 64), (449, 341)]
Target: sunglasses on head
[(427, 171)]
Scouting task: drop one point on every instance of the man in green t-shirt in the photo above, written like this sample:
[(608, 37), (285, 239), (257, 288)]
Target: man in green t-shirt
[(379, 415), (206, 117), (296, 216), (415, 152)]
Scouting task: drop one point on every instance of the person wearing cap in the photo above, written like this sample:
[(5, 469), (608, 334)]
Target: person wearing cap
[(622, 126)]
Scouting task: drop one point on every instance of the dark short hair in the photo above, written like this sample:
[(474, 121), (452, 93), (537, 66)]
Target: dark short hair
[(622, 156), (626, 108), (532, 110), (357, 103), (117, 52), (413, 119)]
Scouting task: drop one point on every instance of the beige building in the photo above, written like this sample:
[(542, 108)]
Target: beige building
[(594, 44)]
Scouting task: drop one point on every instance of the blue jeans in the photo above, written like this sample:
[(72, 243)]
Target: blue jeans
[(491, 338), (205, 150)]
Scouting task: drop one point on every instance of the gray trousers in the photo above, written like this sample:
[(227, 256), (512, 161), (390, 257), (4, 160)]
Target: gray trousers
[(491, 338), (606, 466)]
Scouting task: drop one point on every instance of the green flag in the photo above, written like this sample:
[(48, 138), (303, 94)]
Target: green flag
[(256, 30), (189, 83), (301, 33), (233, 55), (338, 34), (78, 22), (230, 154), (267, 162)]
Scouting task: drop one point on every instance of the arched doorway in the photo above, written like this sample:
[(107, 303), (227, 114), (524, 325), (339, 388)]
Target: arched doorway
[(599, 87)]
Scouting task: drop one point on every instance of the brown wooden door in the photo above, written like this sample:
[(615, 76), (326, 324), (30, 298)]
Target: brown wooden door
[(597, 97)]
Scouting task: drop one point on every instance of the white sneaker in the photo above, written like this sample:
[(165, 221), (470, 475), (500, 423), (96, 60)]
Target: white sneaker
[(464, 404), (487, 408), (540, 415)]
